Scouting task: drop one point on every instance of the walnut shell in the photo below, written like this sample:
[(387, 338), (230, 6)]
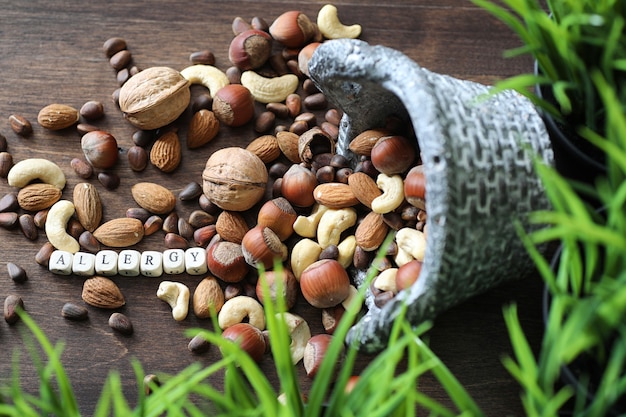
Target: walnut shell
[(234, 179), (154, 97)]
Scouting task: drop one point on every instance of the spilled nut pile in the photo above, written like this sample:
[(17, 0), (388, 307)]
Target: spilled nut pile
[(325, 214)]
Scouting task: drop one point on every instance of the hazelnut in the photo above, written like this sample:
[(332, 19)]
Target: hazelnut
[(407, 274), (233, 105), (415, 186), (325, 283), (292, 28), (250, 49), (234, 179), (278, 215), (284, 279), (261, 246), (249, 338), (393, 154), (100, 149), (314, 353), (297, 186), (225, 260)]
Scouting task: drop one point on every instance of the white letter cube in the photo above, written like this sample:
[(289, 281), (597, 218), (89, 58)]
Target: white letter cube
[(84, 263), (151, 263), (195, 261), (60, 262), (106, 263), (128, 263), (174, 261)]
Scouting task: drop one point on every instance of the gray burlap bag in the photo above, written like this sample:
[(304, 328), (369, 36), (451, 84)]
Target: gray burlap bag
[(478, 161)]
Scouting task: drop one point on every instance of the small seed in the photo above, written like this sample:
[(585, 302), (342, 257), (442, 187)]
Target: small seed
[(330, 252), (383, 298), (203, 235), (16, 273), (198, 344), (331, 318), (185, 229), (143, 137), (200, 218), (192, 191), (121, 324), (12, 304), (40, 218), (325, 174), (8, 219), (259, 23), (122, 76), (299, 127), (20, 125), (109, 180), (205, 57), (120, 59), (83, 128), (175, 241), (239, 25), (115, 96), (309, 87), (264, 122), (88, 242), (202, 101), (234, 75), (28, 227), (330, 129), (92, 110), (137, 158), (138, 213), (74, 228), (208, 206), (74, 312), (309, 117), (170, 224), (3, 143), (232, 291), (113, 45), (8, 202), (333, 116), (278, 64), (152, 225), (6, 163), (279, 109), (133, 70), (42, 257), (82, 168)]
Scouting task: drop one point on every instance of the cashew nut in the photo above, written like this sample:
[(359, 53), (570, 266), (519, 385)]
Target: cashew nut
[(176, 295), (209, 76), (351, 297), (386, 280), (333, 223), (392, 196), (299, 332), (56, 223), (306, 226), (269, 90), (411, 241), (330, 26), (238, 308), (346, 251), (402, 257), (303, 254), (30, 169)]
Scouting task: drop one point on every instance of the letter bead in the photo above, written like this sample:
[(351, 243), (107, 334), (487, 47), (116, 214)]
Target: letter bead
[(60, 262), (151, 263), (174, 261), (128, 263), (106, 263), (195, 261), (84, 264)]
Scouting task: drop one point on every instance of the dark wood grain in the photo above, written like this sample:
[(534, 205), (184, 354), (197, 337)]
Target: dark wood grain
[(51, 51)]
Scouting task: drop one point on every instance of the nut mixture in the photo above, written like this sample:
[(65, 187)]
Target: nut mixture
[(287, 197)]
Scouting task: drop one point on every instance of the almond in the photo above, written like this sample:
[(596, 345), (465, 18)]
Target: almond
[(166, 153), (265, 147), (288, 144), (57, 116), (120, 233), (102, 292), (371, 232), (208, 298), (335, 195), (231, 226), (363, 143), (38, 196), (153, 197), (88, 205), (203, 127), (364, 188)]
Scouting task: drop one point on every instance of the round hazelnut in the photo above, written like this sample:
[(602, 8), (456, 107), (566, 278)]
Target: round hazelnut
[(234, 179), (284, 279), (297, 186), (261, 246), (278, 215), (292, 28), (233, 105), (225, 260), (249, 338), (415, 186), (407, 274), (250, 49), (100, 149), (393, 154), (325, 283)]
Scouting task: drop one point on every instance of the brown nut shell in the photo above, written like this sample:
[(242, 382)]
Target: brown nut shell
[(102, 292)]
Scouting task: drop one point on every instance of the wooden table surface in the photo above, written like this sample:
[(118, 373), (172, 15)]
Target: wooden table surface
[(51, 52)]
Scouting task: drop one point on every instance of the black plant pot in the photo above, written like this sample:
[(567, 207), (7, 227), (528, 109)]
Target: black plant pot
[(575, 157), (584, 368)]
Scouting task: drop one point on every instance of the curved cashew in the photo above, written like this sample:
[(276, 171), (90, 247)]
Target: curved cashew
[(56, 224), (412, 242), (330, 26), (333, 223), (209, 76), (386, 280), (299, 332), (269, 90), (346, 251), (30, 169), (392, 196), (176, 295), (303, 254), (306, 226), (351, 297), (238, 308)]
